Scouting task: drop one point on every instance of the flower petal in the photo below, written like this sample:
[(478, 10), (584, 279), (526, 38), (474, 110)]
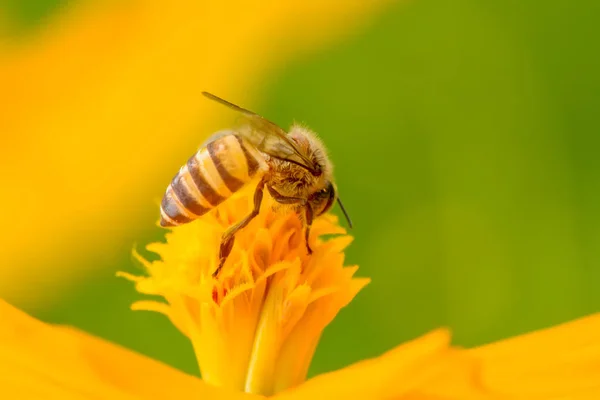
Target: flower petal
[(558, 362), (562, 362), (42, 361), (394, 373)]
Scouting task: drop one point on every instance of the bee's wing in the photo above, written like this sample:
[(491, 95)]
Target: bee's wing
[(266, 136)]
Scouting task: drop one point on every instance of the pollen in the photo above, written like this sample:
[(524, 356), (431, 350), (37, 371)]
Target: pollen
[(254, 327)]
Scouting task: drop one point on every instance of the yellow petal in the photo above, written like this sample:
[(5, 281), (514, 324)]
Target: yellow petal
[(105, 102), (393, 374), (558, 362), (47, 362), (562, 362)]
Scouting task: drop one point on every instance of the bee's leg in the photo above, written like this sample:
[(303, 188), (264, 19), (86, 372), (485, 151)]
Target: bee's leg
[(304, 204), (229, 236), (309, 220), (281, 199)]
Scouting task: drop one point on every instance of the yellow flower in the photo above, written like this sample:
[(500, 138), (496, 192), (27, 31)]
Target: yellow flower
[(256, 326), (38, 361), (91, 100)]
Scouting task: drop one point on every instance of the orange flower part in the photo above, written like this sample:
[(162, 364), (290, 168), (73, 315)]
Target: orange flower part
[(39, 361), (558, 362), (561, 362), (256, 326)]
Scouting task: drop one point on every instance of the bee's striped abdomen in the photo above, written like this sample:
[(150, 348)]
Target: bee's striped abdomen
[(210, 176)]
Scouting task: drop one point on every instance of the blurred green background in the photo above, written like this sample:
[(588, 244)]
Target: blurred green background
[(466, 139)]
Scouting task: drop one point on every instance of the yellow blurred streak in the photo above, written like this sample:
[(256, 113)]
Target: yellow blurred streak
[(98, 108)]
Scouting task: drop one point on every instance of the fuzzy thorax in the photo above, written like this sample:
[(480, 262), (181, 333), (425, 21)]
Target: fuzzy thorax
[(293, 180)]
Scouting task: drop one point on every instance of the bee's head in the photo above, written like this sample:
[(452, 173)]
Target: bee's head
[(322, 201)]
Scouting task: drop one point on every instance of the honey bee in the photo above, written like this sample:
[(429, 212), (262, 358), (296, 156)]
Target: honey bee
[(293, 166)]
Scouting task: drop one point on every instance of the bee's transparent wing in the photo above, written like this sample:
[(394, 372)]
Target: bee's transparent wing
[(266, 136)]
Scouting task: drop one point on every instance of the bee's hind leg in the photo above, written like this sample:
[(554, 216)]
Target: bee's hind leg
[(228, 237)]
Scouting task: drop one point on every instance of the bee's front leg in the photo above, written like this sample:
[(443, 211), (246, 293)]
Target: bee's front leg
[(304, 205), (308, 213)]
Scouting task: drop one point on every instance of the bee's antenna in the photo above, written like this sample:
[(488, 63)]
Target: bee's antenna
[(345, 213)]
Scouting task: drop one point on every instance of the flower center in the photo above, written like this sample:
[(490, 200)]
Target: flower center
[(256, 326)]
